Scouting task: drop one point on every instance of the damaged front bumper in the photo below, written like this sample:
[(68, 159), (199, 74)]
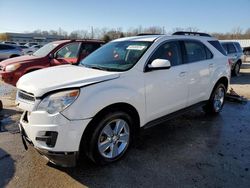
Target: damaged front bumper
[(64, 159)]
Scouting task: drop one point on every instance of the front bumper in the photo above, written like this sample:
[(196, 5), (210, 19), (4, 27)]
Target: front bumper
[(61, 148)]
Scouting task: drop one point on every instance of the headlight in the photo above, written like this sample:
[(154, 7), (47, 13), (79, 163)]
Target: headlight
[(57, 102), (13, 67)]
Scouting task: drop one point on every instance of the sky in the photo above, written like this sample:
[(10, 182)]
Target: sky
[(207, 16)]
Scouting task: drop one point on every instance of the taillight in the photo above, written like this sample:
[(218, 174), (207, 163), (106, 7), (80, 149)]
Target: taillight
[(230, 62)]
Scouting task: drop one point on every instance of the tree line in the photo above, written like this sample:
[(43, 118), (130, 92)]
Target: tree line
[(108, 34)]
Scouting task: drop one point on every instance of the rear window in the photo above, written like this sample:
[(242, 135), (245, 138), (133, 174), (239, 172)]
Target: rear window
[(218, 46)]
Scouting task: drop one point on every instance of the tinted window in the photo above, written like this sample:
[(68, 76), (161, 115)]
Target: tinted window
[(225, 47), (195, 51), (218, 46), (169, 51), (7, 47), (231, 48)]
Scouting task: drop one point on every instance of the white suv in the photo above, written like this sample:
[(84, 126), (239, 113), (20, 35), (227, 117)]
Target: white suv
[(97, 108)]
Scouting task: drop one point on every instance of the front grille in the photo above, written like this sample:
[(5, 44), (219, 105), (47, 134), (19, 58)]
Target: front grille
[(26, 96)]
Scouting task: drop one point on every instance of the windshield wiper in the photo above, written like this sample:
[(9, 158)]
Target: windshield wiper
[(100, 67)]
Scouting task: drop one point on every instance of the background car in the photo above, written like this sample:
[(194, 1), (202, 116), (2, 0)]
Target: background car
[(26, 49), (235, 53), (9, 51), (35, 47), (29, 44), (10, 42), (52, 54), (246, 52)]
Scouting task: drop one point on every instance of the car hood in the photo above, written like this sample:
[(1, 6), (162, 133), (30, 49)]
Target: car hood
[(61, 77), (20, 59)]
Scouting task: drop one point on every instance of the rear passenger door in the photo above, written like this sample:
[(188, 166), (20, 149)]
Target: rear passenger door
[(199, 59)]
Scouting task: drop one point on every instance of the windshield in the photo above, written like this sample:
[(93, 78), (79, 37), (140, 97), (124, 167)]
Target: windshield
[(45, 50), (116, 56)]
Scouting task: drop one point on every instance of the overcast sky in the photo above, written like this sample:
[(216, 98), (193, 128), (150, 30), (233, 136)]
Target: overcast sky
[(207, 16)]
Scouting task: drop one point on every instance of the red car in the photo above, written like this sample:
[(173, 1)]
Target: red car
[(52, 54)]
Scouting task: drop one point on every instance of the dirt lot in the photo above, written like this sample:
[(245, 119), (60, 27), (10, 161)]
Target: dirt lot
[(193, 150)]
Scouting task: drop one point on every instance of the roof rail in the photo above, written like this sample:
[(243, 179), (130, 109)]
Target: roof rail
[(192, 33), (143, 34)]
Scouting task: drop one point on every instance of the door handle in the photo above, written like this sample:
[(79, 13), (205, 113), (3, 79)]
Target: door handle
[(182, 74), (211, 65)]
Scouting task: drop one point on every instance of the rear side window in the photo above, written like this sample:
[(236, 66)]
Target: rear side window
[(231, 48), (218, 46), (170, 51), (6, 47), (239, 49), (196, 51)]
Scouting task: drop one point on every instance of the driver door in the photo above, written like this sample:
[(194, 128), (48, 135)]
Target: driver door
[(68, 54), (166, 89)]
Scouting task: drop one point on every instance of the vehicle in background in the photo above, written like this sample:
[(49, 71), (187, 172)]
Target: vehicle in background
[(235, 53), (29, 44), (22, 43), (10, 42), (9, 51), (52, 54), (97, 108), (35, 47), (26, 50), (246, 52)]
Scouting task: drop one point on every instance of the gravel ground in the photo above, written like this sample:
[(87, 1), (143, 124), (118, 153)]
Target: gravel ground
[(193, 150)]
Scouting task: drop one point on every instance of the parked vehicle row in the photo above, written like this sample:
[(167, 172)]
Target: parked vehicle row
[(235, 53), (52, 54), (97, 107)]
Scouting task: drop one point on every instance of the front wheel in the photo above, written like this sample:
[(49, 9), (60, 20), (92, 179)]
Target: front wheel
[(110, 138), (216, 101)]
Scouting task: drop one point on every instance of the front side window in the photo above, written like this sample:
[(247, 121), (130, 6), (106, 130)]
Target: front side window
[(116, 56), (69, 51), (169, 51), (195, 51)]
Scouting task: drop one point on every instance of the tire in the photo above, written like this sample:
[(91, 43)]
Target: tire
[(236, 70), (105, 144), (216, 101)]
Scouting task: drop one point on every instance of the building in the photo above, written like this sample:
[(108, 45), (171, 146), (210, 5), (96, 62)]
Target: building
[(29, 37)]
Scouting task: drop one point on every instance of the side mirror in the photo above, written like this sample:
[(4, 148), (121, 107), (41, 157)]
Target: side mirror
[(159, 64), (51, 56)]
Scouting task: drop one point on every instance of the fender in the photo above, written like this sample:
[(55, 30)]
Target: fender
[(98, 96)]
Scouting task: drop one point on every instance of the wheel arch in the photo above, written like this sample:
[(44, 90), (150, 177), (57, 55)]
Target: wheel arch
[(128, 108)]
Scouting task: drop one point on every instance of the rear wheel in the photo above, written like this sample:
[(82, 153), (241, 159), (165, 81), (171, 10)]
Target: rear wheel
[(236, 70), (111, 138), (216, 101)]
